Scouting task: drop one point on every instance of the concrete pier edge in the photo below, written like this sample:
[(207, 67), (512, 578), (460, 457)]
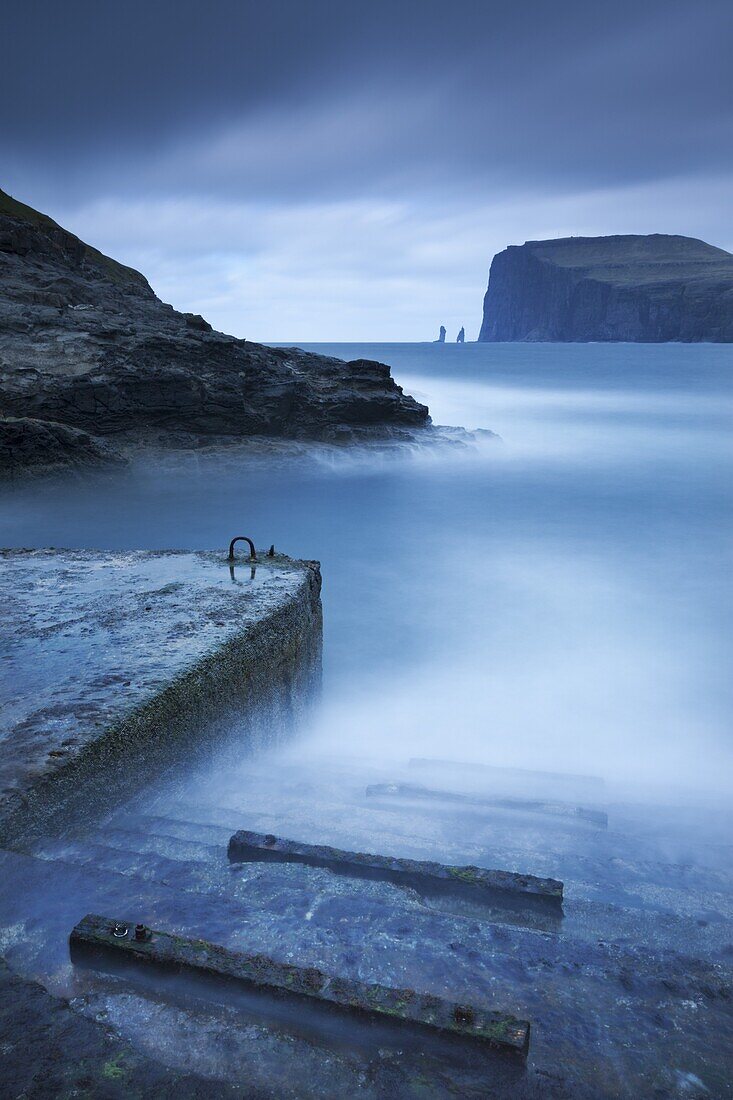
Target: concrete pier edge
[(264, 660)]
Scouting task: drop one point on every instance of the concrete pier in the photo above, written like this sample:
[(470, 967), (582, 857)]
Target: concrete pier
[(115, 665)]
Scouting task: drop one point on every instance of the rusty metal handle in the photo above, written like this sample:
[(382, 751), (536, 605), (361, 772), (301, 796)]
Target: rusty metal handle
[(243, 538)]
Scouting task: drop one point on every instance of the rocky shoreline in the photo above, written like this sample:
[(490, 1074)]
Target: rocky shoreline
[(92, 457), (91, 361)]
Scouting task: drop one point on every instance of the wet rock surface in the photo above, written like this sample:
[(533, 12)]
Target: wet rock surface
[(84, 342), (29, 446), (48, 1050), (629, 994), (653, 288)]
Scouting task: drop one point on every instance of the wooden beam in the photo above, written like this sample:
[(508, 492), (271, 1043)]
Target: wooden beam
[(139, 944), (496, 773), (525, 805), (246, 846)]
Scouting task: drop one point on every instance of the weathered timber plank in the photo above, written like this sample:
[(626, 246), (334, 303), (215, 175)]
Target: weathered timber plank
[(498, 1029), (245, 846), (526, 805)]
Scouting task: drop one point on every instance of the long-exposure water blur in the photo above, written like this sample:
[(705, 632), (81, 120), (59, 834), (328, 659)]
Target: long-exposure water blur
[(555, 600)]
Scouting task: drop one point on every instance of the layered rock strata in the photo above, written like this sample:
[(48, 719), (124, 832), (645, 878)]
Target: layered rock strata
[(85, 343)]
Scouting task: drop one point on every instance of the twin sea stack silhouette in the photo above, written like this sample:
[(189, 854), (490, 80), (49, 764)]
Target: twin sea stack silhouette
[(460, 338), (92, 361), (654, 289)]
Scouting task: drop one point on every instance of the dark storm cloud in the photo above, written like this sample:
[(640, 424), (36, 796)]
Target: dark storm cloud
[(304, 169), (300, 98)]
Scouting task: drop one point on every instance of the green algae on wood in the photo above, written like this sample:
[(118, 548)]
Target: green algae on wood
[(245, 845), (473, 1022)]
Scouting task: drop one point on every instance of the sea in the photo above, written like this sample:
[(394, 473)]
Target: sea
[(559, 597), (526, 667)]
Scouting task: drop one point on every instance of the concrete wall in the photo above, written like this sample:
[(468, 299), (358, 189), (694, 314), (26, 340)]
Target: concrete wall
[(259, 674)]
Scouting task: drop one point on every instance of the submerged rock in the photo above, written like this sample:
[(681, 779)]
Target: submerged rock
[(29, 446), (652, 288), (85, 343)]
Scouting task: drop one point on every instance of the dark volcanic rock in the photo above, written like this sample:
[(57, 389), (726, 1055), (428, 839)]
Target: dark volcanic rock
[(84, 342), (640, 288), (41, 446)]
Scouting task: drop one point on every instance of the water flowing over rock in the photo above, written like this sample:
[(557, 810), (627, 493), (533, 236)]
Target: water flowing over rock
[(86, 344), (653, 289)]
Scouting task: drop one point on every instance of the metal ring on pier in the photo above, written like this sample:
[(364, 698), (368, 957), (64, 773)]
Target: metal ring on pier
[(243, 538)]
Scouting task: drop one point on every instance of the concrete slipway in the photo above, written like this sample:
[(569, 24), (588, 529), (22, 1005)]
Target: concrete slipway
[(114, 664), (115, 667), (134, 686)]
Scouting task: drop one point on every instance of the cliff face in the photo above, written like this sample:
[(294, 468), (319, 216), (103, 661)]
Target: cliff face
[(638, 288), (86, 345)]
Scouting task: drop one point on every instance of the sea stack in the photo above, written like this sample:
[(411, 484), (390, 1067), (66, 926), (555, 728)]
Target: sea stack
[(653, 289)]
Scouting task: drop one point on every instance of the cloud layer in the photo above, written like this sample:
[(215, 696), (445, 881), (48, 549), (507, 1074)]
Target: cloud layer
[(343, 171)]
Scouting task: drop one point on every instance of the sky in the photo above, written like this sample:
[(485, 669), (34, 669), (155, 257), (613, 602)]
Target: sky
[(313, 170)]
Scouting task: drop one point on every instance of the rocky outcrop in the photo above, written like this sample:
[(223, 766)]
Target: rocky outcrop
[(85, 343), (653, 288), (41, 446)]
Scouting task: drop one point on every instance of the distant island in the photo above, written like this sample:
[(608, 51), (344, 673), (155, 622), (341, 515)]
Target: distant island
[(653, 289)]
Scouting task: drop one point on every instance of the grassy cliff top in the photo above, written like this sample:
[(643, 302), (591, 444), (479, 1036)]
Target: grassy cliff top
[(656, 257), (11, 208), (116, 272)]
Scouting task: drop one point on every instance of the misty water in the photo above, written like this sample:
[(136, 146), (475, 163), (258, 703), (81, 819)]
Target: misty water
[(559, 599)]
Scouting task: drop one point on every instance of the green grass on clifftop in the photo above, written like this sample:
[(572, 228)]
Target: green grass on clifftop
[(116, 272)]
